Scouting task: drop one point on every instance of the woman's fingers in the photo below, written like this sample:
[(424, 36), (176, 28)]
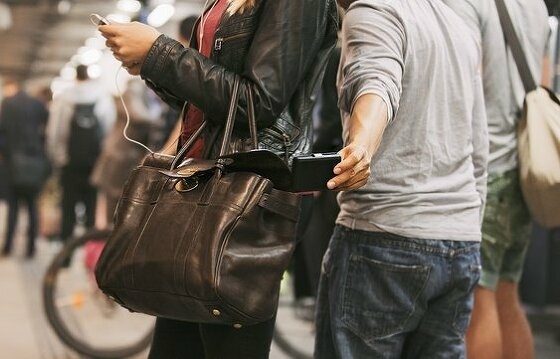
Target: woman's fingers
[(129, 42)]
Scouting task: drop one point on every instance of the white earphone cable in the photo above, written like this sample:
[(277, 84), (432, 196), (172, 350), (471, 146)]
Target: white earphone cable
[(128, 115), (203, 20)]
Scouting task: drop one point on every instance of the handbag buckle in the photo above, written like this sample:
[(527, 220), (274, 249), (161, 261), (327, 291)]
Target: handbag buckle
[(186, 184)]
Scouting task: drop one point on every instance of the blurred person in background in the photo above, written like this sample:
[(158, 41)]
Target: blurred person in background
[(49, 200), (44, 94), (499, 327), (3, 168), (119, 156), (80, 119), (22, 132)]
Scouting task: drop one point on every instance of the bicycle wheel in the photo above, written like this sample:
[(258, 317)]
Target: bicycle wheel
[(80, 314), (293, 333)]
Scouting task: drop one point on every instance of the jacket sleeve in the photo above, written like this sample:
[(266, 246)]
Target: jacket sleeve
[(287, 39)]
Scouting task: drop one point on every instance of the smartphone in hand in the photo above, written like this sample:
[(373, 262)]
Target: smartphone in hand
[(312, 172), (98, 20)]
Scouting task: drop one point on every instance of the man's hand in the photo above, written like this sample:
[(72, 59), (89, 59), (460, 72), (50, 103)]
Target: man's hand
[(365, 130), (353, 171)]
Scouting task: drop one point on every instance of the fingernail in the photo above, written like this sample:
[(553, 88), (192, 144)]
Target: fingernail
[(331, 184)]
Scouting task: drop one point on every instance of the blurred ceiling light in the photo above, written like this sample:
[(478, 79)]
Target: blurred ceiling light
[(5, 17), (97, 42), (154, 3), (64, 7), (161, 14), (68, 72), (129, 5), (75, 59), (94, 71), (90, 56)]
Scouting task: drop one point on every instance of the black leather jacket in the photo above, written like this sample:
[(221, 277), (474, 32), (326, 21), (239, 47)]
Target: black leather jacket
[(279, 48)]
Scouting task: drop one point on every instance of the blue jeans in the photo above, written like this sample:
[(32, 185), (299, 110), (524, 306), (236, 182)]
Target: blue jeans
[(387, 296)]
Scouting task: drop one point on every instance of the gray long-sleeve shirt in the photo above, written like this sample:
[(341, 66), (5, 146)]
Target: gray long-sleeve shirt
[(429, 174)]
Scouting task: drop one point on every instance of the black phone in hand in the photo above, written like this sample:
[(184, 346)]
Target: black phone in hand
[(312, 172)]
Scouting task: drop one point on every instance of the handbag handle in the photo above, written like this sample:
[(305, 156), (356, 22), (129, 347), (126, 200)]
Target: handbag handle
[(513, 41), (232, 111), (228, 128)]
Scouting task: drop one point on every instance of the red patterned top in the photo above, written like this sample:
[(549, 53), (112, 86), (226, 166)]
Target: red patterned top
[(205, 33)]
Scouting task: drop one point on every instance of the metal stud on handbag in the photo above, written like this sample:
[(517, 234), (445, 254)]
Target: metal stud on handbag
[(202, 240)]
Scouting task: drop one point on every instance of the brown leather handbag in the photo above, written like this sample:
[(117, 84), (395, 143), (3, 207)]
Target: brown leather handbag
[(204, 241)]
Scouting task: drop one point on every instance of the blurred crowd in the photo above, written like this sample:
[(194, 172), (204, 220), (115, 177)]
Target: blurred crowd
[(74, 151)]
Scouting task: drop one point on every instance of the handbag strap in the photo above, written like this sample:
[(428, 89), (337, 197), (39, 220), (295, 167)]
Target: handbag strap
[(514, 44), (251, 118), (228, 127)]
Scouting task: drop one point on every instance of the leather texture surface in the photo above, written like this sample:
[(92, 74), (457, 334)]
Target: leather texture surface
[(199, 244)]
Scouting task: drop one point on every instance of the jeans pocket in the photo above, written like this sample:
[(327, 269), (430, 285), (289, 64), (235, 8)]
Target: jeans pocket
[(380, 297)]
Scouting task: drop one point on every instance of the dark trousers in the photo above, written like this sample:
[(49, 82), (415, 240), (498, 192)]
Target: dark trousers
[(302, 283), (183, 340), (16, 196), (76, 188), (317, 219), (318, 233)]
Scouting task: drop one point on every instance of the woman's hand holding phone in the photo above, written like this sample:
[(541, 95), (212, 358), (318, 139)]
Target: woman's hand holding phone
[(129, 42), (98, 20)]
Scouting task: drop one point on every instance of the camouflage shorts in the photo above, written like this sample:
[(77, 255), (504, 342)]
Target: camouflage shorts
[(505, 231)]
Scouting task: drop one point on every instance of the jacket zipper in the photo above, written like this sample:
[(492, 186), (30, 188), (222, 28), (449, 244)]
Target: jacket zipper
[(220, 40), (286, 140)]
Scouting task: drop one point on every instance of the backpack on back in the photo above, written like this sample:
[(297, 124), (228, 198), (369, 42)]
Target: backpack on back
[(84, 142)]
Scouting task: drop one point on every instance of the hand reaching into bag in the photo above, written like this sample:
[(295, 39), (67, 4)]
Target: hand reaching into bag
[(353, 171), (130, 43)]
